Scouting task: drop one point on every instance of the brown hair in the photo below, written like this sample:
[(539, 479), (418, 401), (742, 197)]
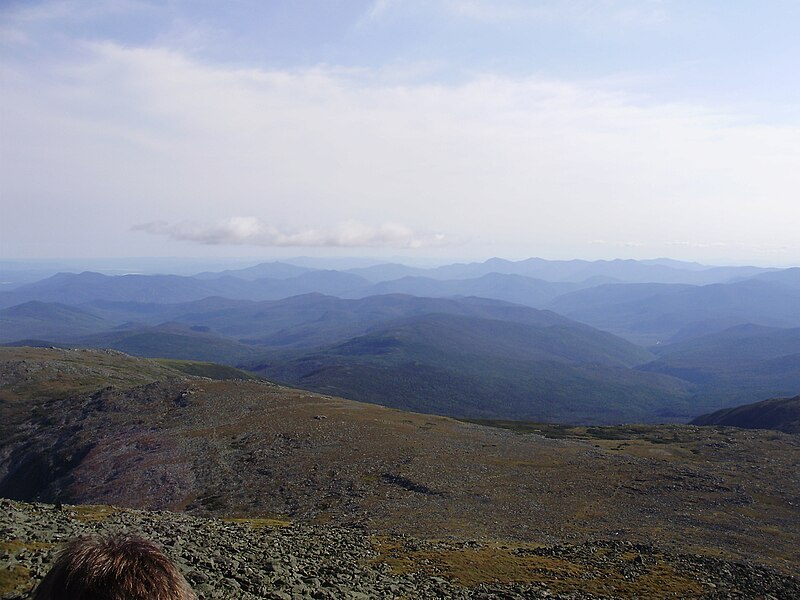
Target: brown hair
[(116, 568)]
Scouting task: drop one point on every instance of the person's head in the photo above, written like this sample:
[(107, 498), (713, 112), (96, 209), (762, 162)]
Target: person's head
[(116, 568)]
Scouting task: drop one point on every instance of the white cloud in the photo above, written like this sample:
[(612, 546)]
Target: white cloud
[(74, 10), (590, 13), (253, 231), (116, 136), (376, 10), (13, 37)]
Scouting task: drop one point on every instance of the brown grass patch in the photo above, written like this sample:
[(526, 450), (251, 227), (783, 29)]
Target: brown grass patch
[(93, 513), (500, 564), (13, 578), (260, 522), (17, 578), (13, 546)]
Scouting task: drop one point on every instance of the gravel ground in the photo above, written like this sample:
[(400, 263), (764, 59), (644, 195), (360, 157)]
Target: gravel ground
[(266, 559)]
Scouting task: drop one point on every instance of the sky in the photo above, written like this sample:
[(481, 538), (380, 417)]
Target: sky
[(451, 129)]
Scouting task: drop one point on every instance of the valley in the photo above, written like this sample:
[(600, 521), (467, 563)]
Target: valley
[(603, 342)]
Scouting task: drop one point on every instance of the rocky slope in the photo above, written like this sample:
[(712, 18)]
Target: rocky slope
[(259, 558), (104, 428)]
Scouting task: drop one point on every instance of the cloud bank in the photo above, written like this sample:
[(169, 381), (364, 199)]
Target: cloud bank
[(583, 12), (252, 231), (107, 135)]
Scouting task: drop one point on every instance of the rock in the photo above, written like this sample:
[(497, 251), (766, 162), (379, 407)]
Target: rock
[(236, 560)]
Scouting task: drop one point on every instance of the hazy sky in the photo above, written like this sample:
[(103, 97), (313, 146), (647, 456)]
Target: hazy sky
[(449, 128)]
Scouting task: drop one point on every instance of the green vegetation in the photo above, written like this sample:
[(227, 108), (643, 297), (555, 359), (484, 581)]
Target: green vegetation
[(735, 366), (176, 342), (782, 414), (49, 321), (208, 369), (482, 368), (72, 371)]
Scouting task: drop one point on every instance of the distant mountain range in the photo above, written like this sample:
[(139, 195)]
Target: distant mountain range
[(499, 286), (574, 271), (664, 341), (656, 313), (71, 288), (530, 281)]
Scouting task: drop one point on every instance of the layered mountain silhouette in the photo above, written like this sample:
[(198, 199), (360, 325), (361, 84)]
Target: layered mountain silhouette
[(576, 271), (71, 288), (658, 313), (621, 341), (531, 282)]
